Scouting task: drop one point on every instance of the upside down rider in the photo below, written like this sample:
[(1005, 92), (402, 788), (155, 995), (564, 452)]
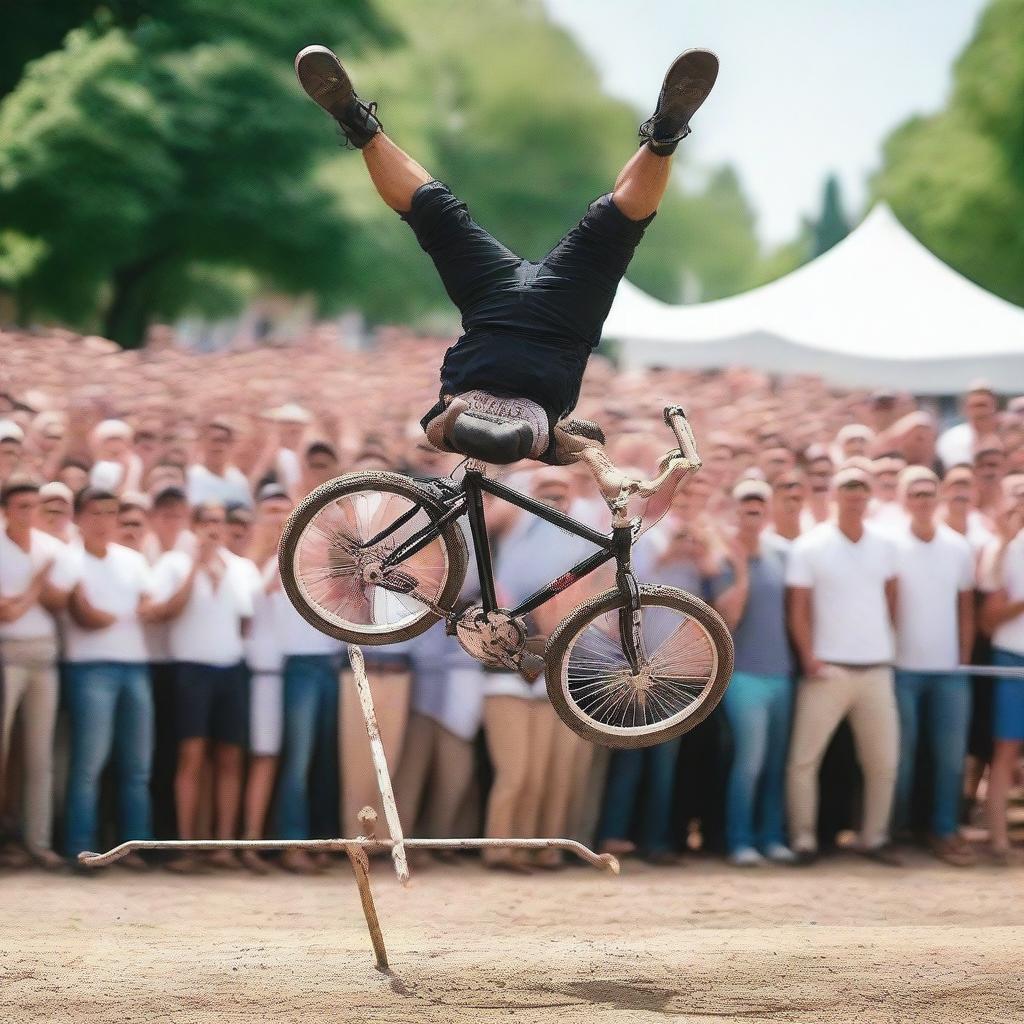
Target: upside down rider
[(512, 379)]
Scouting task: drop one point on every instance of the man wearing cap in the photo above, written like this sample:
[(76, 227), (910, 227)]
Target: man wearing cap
[(12, 439), (55, 512), (750, 594), (934, 634), (117, 468), (36, 575), (842, 598), (281, 455), (979, 407)]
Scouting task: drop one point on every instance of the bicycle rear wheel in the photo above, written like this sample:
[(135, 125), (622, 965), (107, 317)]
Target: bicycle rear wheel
[(687, 666), (335, 579)]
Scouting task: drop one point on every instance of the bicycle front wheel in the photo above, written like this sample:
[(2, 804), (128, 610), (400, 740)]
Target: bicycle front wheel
[(334, 576), (686, 667)]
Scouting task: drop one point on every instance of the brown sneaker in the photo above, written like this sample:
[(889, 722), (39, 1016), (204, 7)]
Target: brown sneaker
[(953, 850)]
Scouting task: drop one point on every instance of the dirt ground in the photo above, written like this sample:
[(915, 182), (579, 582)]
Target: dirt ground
[(843, 941)]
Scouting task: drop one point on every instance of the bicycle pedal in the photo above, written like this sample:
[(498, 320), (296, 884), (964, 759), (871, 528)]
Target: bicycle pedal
[(531, 666)]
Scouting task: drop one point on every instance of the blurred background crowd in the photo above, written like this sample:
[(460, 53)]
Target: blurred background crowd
[(157, 682)]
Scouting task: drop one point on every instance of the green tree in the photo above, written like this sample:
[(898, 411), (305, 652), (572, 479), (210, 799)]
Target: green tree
[(956, 178), (831, 225), (139, 160)]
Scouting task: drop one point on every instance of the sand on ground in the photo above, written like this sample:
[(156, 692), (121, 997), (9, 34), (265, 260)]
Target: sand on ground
[(843, 941)]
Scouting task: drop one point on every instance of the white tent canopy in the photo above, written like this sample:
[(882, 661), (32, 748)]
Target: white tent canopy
[(877, 310)]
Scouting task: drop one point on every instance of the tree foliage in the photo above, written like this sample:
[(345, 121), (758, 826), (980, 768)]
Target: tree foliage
[(831, 225), (956, 178), (153, 153)]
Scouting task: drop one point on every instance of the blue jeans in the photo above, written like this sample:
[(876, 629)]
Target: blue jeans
[(620, 798), (941, 702), (110, 709), (758, 709), (310, 727)]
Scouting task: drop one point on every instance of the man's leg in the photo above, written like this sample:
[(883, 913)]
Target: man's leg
[(394, 173), (641, 184)]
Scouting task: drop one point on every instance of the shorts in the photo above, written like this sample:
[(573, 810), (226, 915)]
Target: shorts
[(528, 327), (266, 713), (1008, 702), (211, 702)]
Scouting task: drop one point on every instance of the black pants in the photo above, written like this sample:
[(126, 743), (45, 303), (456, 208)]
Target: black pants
[(529, 327)]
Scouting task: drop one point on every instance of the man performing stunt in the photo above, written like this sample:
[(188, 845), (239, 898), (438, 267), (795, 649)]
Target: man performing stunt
[(515, 374)]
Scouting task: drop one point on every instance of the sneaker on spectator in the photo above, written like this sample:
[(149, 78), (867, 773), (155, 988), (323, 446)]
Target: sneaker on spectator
[(953, 850), (778, 853), (805, 858), (746, 857)]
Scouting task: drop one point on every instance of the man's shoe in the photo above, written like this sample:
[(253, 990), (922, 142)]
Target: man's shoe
[(778, 853), (687, 84), (953, 850), (746, 857), (327, 83)]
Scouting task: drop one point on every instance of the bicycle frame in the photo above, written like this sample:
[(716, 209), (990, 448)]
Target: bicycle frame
[(467, 498)]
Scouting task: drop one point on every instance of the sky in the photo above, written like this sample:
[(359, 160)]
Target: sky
[(806, 87)]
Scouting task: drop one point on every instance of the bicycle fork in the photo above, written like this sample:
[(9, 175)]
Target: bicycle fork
[(631, 631)]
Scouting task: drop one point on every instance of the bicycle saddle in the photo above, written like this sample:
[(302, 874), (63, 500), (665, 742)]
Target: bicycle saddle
[(490, 438)]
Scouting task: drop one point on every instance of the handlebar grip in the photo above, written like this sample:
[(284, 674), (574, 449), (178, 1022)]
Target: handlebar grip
[(672, 411), (676, 419)]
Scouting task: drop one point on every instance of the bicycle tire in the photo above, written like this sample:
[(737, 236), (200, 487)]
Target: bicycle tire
[(451, 538), (567, 631)]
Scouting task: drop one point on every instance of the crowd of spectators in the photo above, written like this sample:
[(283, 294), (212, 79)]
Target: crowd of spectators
[(157, 681)]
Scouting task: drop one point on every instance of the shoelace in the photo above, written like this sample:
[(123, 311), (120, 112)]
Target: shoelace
[(364, 111), (647, 130)]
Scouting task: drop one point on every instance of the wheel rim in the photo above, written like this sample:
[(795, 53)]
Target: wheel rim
[(681, 664), (343, 582)]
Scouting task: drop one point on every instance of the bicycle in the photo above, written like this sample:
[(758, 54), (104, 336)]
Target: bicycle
[(378, 557)]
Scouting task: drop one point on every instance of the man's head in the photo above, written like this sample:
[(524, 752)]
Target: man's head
[(96, 513), (11, 440), (958, 487), (919, 492), (111, 440), (886, 472), (209, 522), (818, 468), (854, 439), (752, 498), (273, 506), (218, 439), (989, 461), (321, 463), (852, 489), (19, 499), (132, 520), (552, 486), (789, 491), (239, 529), (56, 507), (774, 461), (169, 515), (164, 475), (980, 405)]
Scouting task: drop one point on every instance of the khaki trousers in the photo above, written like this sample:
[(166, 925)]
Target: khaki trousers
[(30, 683), (434, 775), (390, 691), (866, 697), (519, 733)]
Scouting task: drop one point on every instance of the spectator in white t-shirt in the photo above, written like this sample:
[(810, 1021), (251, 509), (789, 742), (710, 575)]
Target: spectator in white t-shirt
[(109, 701), (36, 575), (1002, 616), (132, 520), (957, 512), (979, 407), (214, 478), (55, 514), (789, 491), (264, 658), (207, 599), (116, 467), (934, 634), (842, 596)]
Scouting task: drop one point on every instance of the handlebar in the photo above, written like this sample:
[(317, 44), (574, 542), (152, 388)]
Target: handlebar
[(618, 487)]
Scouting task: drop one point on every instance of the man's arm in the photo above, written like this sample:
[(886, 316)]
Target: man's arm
[(996, 609), (733, 600), (85, 613), (164, 611), (13, 607), (801, 629)]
